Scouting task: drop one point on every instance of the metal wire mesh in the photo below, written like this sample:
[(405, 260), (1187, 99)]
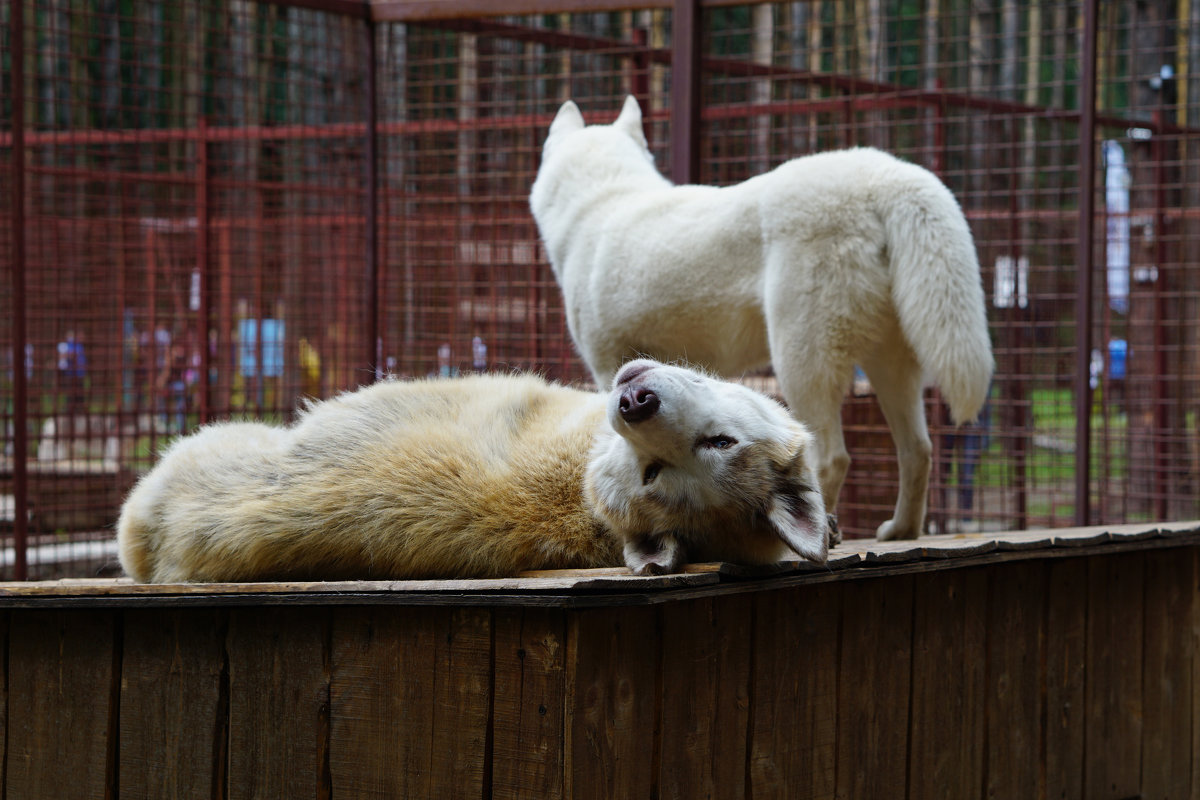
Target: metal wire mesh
[(213, 210)]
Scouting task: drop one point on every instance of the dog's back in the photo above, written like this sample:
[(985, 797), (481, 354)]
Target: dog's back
[(473, 477)]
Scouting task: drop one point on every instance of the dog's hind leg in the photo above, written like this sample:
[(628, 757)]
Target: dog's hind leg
[(896, 377), (818, 404)]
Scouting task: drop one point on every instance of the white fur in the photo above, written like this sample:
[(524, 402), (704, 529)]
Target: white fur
[(831, 260), (482, 476)]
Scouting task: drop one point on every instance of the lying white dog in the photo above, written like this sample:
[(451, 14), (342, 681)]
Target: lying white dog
[(484, 476), (832, 260)]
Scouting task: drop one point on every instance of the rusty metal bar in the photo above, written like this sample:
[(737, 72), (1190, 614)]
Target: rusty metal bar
[(1084, 249), (423, 10), (1162, 394), (20, 461), (202, 271), (374, 354), (896, 97), (685, 91), (344, 8)]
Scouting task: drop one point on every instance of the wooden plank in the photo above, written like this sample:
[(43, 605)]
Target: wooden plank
[(948, 667), (875, 668), (1194, 634), (409, 696), (1167, 694), (61, 704), (278, 703), (1066, 650), (1081, 537), (1013, 692), (794, 685), (174, 713), (527, 720), (616, 579), (705, 698), (382, 672), (462, 704), (1114, 675), (612, 676), (5, 619)]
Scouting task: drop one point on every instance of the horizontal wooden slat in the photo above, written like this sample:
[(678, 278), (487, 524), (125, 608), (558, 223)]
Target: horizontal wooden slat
[(852, 559)]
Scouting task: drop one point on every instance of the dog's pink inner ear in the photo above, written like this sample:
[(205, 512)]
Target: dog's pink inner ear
[(653, 555), (806, 534)]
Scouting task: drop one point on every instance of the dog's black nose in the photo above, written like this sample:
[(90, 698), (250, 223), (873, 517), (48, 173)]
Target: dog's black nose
[(638, 403)]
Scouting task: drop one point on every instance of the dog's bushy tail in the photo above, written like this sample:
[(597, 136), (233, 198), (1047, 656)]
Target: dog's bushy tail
[(937, 290), (133, 544)]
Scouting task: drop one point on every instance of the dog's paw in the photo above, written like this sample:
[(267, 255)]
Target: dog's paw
[(653, 555), (890, 531), (835, 533)]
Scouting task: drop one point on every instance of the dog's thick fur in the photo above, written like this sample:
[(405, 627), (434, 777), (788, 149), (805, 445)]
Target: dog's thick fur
[(831, 260), (480, 477)]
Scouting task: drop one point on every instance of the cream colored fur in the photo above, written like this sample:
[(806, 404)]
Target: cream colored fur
[(483, 476), (827, 261)]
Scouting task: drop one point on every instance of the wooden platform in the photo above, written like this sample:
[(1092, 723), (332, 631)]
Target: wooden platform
[(1043, 664)]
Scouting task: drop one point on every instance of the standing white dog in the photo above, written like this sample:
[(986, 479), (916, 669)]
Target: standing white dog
[(835, 259)]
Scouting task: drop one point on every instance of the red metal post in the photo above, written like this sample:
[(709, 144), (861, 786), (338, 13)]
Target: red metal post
[(374, 349), (203, 317), (1084, 249), (685, 91), (19, 333), (639, 78), (1162, 394)]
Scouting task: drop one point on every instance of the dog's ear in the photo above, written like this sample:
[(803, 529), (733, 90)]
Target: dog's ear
[(630, 120), (567, 119), (653, 555), (800, 520)]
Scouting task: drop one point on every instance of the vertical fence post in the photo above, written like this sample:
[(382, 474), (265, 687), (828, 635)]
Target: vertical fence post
[(203, 321), (20, 459), (1084, 250), (374, 341), (685, 91)]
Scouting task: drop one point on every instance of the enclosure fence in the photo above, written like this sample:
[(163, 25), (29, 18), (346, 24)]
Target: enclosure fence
[(215, 209)]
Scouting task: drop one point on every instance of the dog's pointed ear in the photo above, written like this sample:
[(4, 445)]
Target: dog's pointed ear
[(567, 119), (801, 522), (630, 119), (653, 555)]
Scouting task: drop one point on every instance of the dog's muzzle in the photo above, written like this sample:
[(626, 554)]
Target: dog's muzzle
[(637, 403)]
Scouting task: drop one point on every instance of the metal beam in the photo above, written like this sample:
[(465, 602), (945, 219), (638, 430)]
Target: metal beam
[(685, 91), (1084, 256)]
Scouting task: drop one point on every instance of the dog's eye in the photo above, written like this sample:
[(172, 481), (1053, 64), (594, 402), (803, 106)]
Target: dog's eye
[(651, 473), (719, 442)]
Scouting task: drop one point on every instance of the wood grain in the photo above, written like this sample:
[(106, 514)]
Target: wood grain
[(793, 732), (1113, 693), (61, 693), (528, 716), (875, 669), (948, 668), (705, 698), (409, 702), (1013, 692), (1066, 676), (612, 674), (278, 703), (1168, 693), (172, 738)]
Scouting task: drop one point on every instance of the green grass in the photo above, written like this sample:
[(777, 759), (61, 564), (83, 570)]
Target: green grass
[(1050, 443)]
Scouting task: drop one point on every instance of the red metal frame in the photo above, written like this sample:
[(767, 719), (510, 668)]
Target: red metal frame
[(396, 261)]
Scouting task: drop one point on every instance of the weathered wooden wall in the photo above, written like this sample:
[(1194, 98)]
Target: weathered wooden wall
[(1042, 677)]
